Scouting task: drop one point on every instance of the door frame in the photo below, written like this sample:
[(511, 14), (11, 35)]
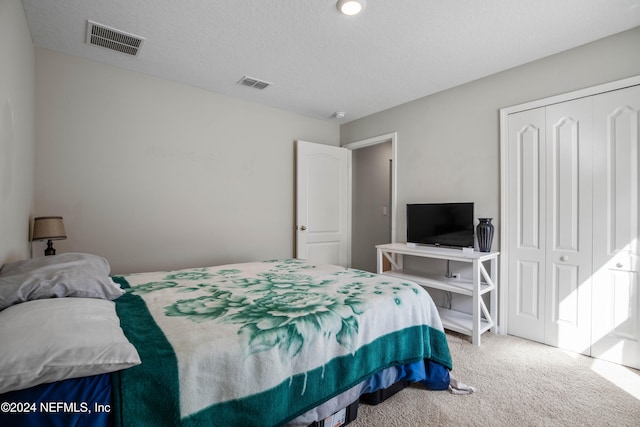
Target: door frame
[(393, 137), (505, 197)]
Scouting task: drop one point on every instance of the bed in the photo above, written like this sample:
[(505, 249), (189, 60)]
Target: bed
[(265, 343)]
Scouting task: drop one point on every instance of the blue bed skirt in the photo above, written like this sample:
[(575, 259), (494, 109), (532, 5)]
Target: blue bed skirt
[(77, 402)]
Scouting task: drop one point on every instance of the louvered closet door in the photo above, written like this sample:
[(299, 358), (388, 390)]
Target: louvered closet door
[(616, 297), (526, 306), (569, 225)]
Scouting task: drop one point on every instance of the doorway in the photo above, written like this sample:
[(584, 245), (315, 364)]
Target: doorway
[(373, 195)]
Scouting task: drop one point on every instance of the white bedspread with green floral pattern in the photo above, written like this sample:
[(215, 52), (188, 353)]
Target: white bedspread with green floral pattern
[(266, 341)]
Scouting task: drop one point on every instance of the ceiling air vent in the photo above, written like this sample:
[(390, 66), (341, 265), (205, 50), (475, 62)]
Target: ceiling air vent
[(110, 38), (254, 83)]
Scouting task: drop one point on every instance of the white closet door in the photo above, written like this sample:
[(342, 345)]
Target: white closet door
[(616, 297), (526, 307), (569, 225)]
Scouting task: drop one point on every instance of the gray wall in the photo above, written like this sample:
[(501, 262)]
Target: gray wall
[(156, 175), (448, 143), (17, 109)]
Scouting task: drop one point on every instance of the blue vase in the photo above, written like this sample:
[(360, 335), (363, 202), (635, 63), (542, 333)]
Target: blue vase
[(484, 233)]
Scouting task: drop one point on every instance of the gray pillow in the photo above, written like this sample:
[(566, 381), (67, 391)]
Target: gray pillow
[(58, 276)]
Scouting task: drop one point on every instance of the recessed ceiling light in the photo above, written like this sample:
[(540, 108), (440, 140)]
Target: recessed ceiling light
[(351, 7)]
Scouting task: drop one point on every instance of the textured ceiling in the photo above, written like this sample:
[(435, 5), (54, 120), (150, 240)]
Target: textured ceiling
[(320, 61)]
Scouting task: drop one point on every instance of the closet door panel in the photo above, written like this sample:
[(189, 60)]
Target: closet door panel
[(528, 290), (616, 308), (526, 310), (568, 231), (565, 291), (564, 164)]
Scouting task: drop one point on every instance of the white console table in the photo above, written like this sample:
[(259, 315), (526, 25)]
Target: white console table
[(482, 319)]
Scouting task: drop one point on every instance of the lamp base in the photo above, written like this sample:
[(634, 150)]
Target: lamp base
[(50, 250)]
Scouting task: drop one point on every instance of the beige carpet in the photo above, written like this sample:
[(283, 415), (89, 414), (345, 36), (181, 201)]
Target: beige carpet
[(518, 383)]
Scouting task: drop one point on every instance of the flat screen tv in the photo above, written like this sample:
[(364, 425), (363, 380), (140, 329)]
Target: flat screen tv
[(440, 224)]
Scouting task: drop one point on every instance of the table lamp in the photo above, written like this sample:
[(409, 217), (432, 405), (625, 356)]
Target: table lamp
[(48, 228)]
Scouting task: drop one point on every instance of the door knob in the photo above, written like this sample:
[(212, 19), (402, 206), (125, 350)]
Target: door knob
[(619, 265), (302, 228), (564, 258)]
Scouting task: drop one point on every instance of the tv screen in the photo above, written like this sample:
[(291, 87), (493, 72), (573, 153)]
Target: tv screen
[(440, 224)]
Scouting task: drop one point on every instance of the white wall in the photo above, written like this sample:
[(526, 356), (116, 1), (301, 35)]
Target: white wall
[(448, 143), (157, 175), (17, 106)]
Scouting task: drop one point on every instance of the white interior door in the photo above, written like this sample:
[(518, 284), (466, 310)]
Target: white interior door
[(526, 246), (323, 203), (569, 225), (616, 297)]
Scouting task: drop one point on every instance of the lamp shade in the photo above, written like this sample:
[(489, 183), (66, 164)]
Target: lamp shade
[(48, 228)]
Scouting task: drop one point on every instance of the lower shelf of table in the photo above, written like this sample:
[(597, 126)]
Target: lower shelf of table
[(461, 322)]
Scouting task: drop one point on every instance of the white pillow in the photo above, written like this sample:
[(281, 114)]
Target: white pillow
[(58, 276), (54, 339)]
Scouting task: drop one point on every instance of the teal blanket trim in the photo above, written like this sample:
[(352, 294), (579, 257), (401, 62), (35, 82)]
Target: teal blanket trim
[(141, 397), (148, 394)]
